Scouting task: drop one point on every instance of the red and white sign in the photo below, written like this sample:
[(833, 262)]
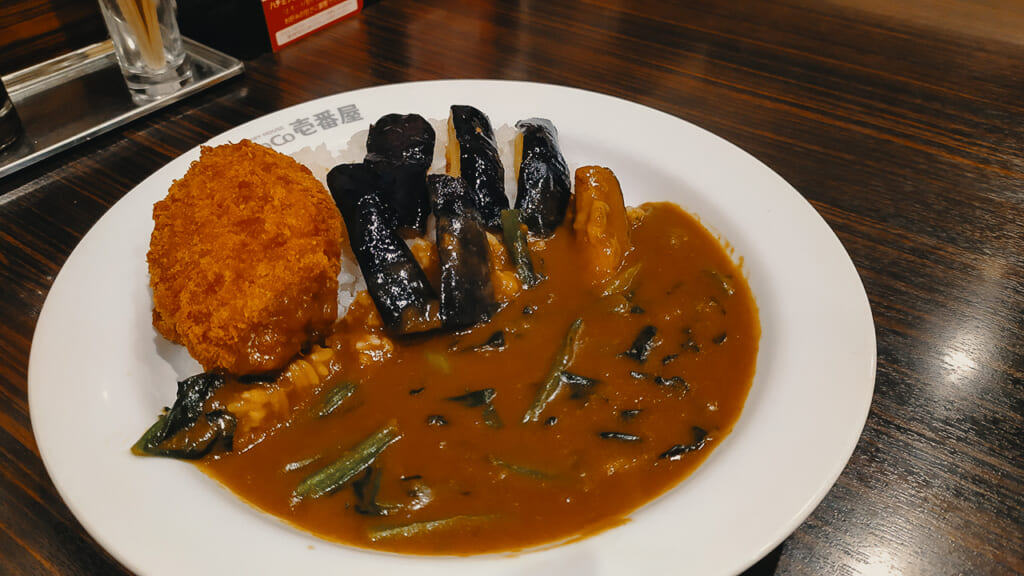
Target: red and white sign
[(290, 20)]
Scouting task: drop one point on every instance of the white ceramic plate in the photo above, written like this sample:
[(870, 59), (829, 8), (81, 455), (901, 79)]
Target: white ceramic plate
[(99, 374)]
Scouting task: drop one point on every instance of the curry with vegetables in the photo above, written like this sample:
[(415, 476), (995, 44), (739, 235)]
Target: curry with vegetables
[(528, 379)]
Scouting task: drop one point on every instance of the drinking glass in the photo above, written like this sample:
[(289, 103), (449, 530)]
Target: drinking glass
[(148, 46)]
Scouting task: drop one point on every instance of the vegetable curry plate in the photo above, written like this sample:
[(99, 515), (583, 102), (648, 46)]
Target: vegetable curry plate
[(431, 461)]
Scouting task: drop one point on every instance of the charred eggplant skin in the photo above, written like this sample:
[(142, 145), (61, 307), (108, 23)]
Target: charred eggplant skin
[(480, 164), (543, 184), (398, 286), (400, 148), (467, 295)]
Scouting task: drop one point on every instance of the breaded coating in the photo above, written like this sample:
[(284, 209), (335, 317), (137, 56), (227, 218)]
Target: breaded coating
[(244, 259)]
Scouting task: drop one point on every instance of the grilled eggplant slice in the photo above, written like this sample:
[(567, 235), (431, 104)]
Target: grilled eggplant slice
[(467, 296), (472, 154), (398, 286), (543, 186), (400, 148), (187, 430)]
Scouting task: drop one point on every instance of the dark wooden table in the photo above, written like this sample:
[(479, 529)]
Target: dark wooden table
[(902, 125)]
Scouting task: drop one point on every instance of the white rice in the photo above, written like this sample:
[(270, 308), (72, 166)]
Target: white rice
[(320, 160)]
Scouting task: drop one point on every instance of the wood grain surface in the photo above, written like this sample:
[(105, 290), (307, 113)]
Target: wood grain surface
[(905, 133), (32, 31)]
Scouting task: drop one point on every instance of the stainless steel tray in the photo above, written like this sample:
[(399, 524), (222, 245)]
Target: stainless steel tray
[(72, 98)]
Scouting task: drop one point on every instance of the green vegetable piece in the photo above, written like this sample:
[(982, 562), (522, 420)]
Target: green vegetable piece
[(215, 432), (645, 341), (553, 382), (150, 439), (334, 397), (722, 282), (491, 417), (417, 528), (580, 387), (620, 436), (673, 382), (630, 415), (439, 362), (700, 438), (520, 470), (478, 398), (352, 462), (367, 488), (495, 342), (621, 281), (518, 249)]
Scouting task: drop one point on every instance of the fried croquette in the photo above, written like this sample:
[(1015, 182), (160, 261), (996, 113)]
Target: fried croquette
[(244, 259)]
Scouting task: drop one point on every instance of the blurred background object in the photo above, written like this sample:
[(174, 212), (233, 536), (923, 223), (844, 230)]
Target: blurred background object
[(289, 21), (63, 77), (10, 124), (203, 21), (38, 30)]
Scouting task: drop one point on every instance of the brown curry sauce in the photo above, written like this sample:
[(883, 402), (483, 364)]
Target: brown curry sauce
[(597, 452)]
